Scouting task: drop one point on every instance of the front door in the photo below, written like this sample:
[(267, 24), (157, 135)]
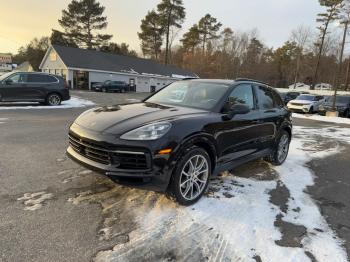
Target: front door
[(239, 136), (13, 88)]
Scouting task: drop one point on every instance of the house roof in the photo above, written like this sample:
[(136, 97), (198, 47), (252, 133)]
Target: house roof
[(98, 60)]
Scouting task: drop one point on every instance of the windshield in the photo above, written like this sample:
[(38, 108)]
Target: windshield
[(306, 97), (190, 94), (340, 99), (2, 77)]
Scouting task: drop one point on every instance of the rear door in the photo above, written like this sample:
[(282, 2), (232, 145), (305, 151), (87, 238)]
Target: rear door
[(37, 86), (272, 112)]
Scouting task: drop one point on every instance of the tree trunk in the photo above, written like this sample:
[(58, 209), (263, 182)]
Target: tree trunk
[(167, 36), (297, 70), (347, 75), (340, 65), (314, 80)]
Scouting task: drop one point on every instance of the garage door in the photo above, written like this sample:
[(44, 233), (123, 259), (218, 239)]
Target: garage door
[(143, 84)]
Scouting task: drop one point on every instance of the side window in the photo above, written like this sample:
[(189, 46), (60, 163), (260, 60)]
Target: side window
[(50, 79), (241, 95), (36, 78), (265, 98), (17, 78), (278, 99)]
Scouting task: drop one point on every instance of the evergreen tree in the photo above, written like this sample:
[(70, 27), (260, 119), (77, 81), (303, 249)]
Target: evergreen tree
[(331, 14), (172, 14), (191, 39), (208, 27), (81, 22), (119, 49), (58, 38), (151, 35)]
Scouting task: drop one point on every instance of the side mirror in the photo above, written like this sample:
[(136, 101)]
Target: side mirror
[(236, 110), (8, 82)]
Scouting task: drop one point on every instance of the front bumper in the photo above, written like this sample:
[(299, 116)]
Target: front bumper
[(299, 108), (155, 175)]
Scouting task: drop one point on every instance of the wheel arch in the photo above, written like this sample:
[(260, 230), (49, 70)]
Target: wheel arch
[(205, 142)]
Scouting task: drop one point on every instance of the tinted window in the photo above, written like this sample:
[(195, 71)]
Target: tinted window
[(277, 99), (40, 78), (242, 95), (265, 97)]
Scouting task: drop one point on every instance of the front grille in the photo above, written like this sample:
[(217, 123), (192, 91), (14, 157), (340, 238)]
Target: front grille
[(297, 104), (122, 159)]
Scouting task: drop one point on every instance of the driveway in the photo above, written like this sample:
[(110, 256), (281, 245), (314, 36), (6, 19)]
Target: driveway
[(54, 210)]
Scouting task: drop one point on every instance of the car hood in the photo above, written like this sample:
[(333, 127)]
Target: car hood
[(119, 119), (304, 102)]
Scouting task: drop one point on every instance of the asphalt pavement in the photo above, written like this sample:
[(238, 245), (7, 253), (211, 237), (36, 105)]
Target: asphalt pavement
[(40, 221)]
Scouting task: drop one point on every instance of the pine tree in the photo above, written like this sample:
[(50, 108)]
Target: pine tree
[(81, 22), (208, 27), (331, 14), (191, 39), (151, 35), (172, 14), (58, 38)]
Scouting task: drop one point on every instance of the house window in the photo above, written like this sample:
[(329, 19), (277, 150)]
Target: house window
[(53, 56)]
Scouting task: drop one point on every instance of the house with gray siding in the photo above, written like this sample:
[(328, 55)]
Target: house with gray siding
[(82, 68)]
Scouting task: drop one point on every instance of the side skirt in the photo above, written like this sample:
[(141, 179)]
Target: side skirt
[(241, 161)]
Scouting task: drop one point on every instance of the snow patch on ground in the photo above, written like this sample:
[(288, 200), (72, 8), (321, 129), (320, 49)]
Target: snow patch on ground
[(74, 102), (337, 120), (34, 201), (236, 219)]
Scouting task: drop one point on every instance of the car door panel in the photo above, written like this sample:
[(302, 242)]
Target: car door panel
[(239, 136)]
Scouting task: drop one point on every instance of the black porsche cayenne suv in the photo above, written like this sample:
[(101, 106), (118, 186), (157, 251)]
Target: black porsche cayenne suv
[(179, 137), (33, 87)]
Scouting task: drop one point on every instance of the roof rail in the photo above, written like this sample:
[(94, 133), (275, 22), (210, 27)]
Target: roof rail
[(251, 80)]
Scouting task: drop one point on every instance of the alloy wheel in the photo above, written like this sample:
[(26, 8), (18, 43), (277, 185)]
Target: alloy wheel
[(54, 100), (194, 177), (283, 147)]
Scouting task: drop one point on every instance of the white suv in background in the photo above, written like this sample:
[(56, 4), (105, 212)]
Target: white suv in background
[(306, 103), (323, 86)]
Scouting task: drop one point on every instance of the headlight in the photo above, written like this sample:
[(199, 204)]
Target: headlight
[(148, 132)]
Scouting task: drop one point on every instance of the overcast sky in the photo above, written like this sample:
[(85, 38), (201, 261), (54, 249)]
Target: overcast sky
[(22, 20)]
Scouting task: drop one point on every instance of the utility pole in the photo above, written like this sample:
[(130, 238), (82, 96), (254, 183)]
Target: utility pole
[(347, 75), (346, 24)]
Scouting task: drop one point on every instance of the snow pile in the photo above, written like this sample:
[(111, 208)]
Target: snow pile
[(337, 120), (236, 219), (74, 102)]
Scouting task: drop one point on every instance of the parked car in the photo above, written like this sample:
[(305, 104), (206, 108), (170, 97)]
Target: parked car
[(342, 104), (306, 103), (176, 145), (115, 86), (97, 87), (323, 86), (33, 87), (299, 86), (289, 96)]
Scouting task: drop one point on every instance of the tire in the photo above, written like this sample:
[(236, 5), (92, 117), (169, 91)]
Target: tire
[(53, 99), (276, 158), (186, 186), (311, 111), (347, 113)]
